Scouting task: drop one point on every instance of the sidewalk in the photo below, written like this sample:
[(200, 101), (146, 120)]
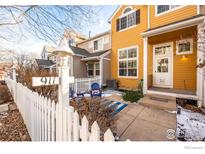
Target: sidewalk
[(140, 123)]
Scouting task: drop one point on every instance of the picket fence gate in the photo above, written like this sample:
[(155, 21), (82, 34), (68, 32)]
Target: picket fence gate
[(42, 118)]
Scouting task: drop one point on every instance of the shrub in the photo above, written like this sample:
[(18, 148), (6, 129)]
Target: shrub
[(132, 96)]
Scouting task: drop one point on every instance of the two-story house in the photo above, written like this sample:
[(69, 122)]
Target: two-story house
[(91, 56), (161, 45)]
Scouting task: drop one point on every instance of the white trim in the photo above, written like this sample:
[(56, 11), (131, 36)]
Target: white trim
[(174, 27), (133, 26), (106, 53), (126, 48), (145, 76), (91, 58), (94, 68), (183, 41), (106, 59), (173, 94), (102, 45), (170, 10), (171, 62), (117, 9), (101, 70), (148, 17), (198, 9), (126, 14)]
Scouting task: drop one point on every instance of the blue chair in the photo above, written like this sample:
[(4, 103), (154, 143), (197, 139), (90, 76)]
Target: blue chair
[(95, 90)]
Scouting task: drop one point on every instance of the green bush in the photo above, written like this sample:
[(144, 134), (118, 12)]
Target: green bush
[(132, 96)]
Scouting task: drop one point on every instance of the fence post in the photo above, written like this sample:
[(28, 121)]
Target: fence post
[(108, 136), (84, 133), (14, 81), (89, 83), (76, 126), (95, 132)]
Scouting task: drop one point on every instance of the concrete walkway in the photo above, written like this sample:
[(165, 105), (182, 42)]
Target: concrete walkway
[(143, 123)]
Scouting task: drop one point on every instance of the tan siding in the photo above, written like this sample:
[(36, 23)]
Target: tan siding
[(79, 67)]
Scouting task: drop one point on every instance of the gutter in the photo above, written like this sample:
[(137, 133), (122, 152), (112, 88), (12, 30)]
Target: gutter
[(183, 24)]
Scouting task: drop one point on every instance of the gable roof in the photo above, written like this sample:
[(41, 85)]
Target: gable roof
[(114, 13), (84, 52), (79, 51), (96, 36), (44, 63)]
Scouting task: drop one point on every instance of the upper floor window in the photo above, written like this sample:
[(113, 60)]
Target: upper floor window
[(98, 44), (165, 8), (128, 18)]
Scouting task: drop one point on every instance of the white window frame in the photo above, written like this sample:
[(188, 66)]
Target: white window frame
[(137, 59), (126, 14), (94, 69), (101, 47), (183, 41), (168, 11)]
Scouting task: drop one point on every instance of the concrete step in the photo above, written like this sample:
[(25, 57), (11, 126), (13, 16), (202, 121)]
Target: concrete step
[(161, 96), (162, 103)]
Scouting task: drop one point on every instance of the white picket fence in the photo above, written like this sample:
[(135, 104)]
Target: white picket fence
[(44, 118), (84, 84)]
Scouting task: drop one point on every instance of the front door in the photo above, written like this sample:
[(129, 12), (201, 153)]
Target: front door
[(162, 62)]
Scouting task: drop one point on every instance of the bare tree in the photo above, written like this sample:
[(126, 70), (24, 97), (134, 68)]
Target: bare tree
[(45, 22)]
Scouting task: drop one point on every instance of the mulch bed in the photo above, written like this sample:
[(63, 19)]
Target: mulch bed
[(12, 127)]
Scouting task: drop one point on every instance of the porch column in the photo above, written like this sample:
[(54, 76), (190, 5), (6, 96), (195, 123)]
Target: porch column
[(145, 66), (200, 58), (101, 71)]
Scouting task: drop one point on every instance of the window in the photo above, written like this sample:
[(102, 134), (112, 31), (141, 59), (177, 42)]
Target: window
[(98, 44), (93, 69), (97, 69), (165, 8), (127, 20), (184, 46), (127, 64), (90, 70)]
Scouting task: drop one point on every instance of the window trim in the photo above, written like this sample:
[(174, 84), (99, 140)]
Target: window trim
[(181, 41), (126, 48), (126, 14), (94, 69), (170, 10), (101, 38)]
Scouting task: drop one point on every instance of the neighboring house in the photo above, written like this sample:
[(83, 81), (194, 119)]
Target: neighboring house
[(159, 45), (91, 56), (44, 64)]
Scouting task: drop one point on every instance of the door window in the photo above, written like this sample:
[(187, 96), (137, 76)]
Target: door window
[(162, 65)]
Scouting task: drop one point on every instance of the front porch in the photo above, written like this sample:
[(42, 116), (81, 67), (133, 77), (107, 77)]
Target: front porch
[(171, 56), (178, 93)]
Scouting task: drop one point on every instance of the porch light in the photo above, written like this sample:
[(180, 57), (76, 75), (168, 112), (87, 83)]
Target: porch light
[(184, 58)]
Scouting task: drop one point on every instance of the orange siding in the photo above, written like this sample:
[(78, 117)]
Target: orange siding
[(184, 69), (172, 16), (127, 38)]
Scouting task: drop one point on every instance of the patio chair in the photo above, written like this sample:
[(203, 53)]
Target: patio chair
[(95, 90)]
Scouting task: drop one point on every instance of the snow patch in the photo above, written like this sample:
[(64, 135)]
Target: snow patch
[(190, 125)]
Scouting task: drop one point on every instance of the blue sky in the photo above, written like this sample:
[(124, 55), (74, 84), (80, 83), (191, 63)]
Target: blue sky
[(102, 25), (32, 44)]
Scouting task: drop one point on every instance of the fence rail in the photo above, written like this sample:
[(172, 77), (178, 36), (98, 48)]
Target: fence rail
[(43, 118), (84, 84)]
